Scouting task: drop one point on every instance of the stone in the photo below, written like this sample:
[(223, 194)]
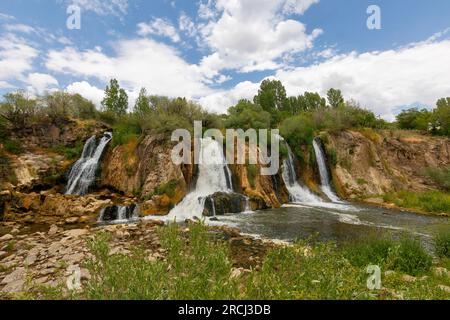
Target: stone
[(444, 288), (3, 254), (18, 274), (53, 230), (408, 278), (31, 259), (75, 233), (72, 220), (441, 272), (15, 231), (7, 237), (14, 286)]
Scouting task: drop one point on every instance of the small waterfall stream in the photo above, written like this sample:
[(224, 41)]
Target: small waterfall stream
[(117, 214), (83, 173), (214, 176), (298, 193), (324, 174)]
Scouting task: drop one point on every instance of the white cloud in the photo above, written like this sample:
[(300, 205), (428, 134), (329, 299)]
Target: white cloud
[(40, 82), (137, 63), (186, 25), (220, 101), (102, 7), (16, 57), (19, 28), (87, 91), (381, 81), (5, 85), (252, 35), (160, 27), (4, 16)]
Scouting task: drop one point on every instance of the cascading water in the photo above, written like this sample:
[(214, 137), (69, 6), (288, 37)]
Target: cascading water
[(214, 176), (297, 193), (83, 173), (119, 214), (324, 174)]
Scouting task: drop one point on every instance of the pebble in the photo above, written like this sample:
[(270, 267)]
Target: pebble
[(7, 237)]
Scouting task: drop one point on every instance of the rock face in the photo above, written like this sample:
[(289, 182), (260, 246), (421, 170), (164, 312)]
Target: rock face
[(48, 207), (222, 202), (372, 163), (141, 167)]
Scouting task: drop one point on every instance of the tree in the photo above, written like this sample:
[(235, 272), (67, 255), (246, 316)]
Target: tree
[(441, 116), (246, 115), (18, 109), (116, 99), (413, 119), (335, 98), (313, 101), (142, 105), (272, 98)]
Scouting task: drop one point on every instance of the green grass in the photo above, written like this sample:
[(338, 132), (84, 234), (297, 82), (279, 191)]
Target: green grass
[(70, 153), (12, 146), (164, 188), (252, 171), (442, 244), (196, 265), (406, 256), (441, 176), (431, 201)]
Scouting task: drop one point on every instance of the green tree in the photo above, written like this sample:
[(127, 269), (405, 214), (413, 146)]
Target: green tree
[(18, 109), (441, 116), (246, 115), (272, 98), (116, 99), (142, 105), (414, 119), (335, 98), (313, 101)]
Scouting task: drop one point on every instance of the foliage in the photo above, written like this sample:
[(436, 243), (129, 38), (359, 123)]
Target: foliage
[(406, 255), (116, 99), (18, 109), (414, 119), (125, 130), (335, 98), (441, 176), (70, 153), (431, 201), (142, 105), (252, 172), (271, 97), (246, 115), (442, 244), (441, 117), (167, 188)]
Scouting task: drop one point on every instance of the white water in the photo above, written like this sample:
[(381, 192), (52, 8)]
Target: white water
[(123, 214), (214, 176), (83, 173), (298, 193), (324, 175)]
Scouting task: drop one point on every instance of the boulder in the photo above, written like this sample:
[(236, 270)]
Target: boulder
[(221, 203)]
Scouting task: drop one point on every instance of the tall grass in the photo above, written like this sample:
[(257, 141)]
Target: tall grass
[(431, 201)]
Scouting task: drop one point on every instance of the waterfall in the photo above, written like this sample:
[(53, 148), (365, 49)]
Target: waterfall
[(324, 174), (119, 214), (297, 192), (214, 176), (83, 173)]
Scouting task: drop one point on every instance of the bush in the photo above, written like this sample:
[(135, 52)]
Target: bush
[(70, 153), (441, 176), (442, 244), (166, 188), (252, 172), (371, 251), (125, 130)]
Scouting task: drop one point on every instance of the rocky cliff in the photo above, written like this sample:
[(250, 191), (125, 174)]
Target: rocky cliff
[(370, 163)]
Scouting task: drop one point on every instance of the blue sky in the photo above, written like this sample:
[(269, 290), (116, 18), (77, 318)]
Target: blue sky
[(217, 51)]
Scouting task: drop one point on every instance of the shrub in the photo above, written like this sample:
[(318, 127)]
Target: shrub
[(442, 244), (440, 175), (166, 188), (252, 172), (70, 153)]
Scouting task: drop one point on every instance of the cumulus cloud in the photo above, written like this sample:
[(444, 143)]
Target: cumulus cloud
[(16, 57), (160, 27), (381, 81), (88, 91), (40, 82), (252, 35), (137, 63)]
